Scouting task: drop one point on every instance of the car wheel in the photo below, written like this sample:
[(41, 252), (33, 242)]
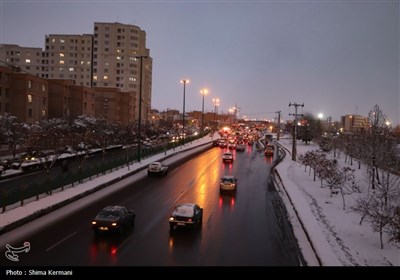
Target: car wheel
[(171, 227)]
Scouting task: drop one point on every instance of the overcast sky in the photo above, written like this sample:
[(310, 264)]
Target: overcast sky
[(336, 57)]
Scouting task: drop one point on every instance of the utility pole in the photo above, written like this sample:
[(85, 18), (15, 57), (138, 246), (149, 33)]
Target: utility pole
[(279, 124), (294, 149)]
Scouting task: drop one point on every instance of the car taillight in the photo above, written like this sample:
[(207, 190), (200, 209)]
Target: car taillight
[(189, 220)]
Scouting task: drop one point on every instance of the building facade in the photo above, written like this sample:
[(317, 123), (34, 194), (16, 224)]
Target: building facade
[(114, 59), (121, 60), (68, 57), (354, 123), (28, 59)]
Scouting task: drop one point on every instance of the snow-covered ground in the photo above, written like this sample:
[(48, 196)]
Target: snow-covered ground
[(335, 234), (332, 229)]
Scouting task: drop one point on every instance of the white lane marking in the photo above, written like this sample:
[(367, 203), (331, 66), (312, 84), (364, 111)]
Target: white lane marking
[(61, 241)]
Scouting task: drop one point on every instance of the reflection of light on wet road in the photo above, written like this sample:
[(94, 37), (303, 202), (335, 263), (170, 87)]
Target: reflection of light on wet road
[(171, 243), (227, 200)]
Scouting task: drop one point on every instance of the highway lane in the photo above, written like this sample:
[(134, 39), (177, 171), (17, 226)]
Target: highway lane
[(248, 228)]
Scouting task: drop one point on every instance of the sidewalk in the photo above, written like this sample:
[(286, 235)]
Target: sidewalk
[(335, 234)]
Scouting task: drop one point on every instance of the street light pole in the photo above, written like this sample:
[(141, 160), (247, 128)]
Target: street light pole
[(183, 115), (216, 103), (203, 92), (140, 104)]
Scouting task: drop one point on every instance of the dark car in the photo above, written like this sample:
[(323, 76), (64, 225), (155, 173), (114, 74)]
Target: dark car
[(215, 142), (187, 214), (113, 219), (269, 150)]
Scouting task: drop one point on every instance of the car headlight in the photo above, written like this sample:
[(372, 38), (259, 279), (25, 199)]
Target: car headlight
[(114, 224), (171, 219), (94, 222)]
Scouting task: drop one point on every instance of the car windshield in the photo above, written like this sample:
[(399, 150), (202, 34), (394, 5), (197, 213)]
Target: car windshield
[(108, 214), (228, 180)]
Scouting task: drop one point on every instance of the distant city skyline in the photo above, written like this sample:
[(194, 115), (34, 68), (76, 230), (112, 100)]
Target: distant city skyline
[(336, 57)]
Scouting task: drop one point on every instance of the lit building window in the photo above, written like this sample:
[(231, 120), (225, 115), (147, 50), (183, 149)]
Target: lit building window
[(71, 69), (29, 84), (27, 60), (62, 41), (118, 58), (43, 113), (105, 77), (61, 61), (95, 78), (43, 88), (61, 54), (29, 98)]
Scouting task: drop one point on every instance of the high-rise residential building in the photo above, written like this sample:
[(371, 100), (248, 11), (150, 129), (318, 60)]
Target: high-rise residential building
[(121, 60), (69, 57), (27, 59), (114, 59)]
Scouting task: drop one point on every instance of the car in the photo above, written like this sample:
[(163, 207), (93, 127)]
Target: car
[(157, 168), (113, 219), (240, 147), (228, 183), (186, 215), (231, 146), (227, 156), (215, 142), (223, 144), (269, 150)]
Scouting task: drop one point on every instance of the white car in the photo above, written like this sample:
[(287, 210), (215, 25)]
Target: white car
[(228, 156), (157, 168)]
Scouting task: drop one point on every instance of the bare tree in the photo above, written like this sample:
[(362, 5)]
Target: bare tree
[(11, 130), (380, 206), (373, 144), (49, 140)]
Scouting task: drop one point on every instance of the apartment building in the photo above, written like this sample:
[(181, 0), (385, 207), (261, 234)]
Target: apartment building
[(5, 86), (68, 57), (28, 97), (113, 104), (28, 59), (69, 101), (114, 57), (119, 57)]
